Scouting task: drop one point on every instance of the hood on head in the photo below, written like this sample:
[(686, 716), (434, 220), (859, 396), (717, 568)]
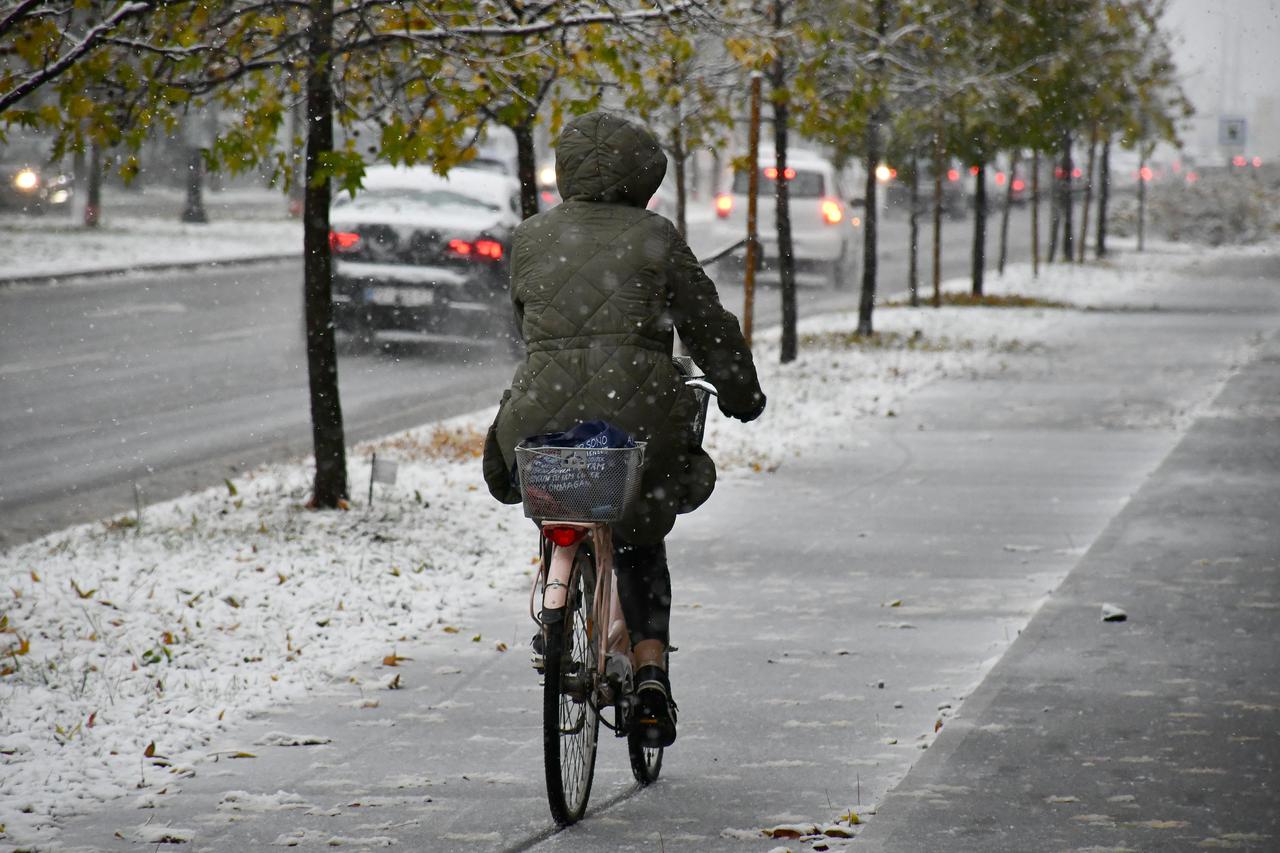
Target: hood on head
[(604, 157)]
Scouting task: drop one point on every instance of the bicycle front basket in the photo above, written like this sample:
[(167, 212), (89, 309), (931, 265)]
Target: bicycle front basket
[(579, 483)]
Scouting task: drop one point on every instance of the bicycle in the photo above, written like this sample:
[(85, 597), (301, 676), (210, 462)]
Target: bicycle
[(585, 659)]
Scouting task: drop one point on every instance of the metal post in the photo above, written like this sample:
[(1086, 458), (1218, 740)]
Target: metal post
[(753, 193)]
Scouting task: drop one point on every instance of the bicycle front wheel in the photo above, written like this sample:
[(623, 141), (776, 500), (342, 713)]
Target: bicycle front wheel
[(646, 761), (570, 724)]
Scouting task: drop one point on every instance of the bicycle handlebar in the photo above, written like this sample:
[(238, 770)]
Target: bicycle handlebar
[(703, 385)]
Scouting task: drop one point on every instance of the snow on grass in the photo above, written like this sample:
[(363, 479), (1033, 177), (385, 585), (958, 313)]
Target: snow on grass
[(127, 647), (57, 247)]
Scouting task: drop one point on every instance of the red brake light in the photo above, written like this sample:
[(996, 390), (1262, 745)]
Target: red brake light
[(1238, 160), (1146, 173), (771, 172), (1257, 162), (564, 536), (953, 174), (343, 241), (460, 247), (724, 205), (1000, 179), (491, 249), (973, 170), (1019, 185), (832, 212)]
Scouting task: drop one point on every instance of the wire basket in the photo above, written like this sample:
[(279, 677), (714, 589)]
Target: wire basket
[(579, 483)]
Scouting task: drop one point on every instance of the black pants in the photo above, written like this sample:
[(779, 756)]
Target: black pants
[(644, 589)]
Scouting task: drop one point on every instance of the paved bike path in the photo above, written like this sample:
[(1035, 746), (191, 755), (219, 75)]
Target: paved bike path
[(969, 508), (1155, 733)]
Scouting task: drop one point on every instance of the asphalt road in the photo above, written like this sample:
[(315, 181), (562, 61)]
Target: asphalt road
[(140, 388)]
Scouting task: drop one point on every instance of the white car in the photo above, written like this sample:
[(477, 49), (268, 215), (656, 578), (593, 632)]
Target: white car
[(824, 231), (421, 254)]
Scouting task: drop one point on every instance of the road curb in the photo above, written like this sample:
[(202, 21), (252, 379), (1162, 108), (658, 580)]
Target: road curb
[(52, 278)]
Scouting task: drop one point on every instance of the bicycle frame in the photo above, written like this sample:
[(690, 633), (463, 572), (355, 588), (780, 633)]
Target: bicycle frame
[(613, 650)]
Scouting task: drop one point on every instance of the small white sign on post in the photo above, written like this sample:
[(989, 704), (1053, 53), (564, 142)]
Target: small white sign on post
[(382, 471)]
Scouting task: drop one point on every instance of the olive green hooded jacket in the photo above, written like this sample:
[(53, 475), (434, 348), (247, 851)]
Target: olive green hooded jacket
[(599, 283)]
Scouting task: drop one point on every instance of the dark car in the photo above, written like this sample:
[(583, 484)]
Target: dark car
[(28, 183), (423, 256)]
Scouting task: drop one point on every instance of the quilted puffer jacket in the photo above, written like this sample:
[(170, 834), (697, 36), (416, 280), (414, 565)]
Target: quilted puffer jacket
[(598, 284)]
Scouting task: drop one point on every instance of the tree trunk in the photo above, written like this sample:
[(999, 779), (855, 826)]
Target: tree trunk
[(1088, 193), (93, 192), (1068, 239), (322, 357), (867, 300), (786, 255), (937, 221), (980, 228), (1055, 207), (1104, 195), (678, 155), (526, 169), (1035, 214), (194, 209), (1008, 207), (913, 265)]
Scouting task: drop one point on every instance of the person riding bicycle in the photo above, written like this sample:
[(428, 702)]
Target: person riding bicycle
[(599, 283)]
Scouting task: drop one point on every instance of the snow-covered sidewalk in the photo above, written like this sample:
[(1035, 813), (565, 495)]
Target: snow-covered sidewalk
[(129, 644), (140, 230)]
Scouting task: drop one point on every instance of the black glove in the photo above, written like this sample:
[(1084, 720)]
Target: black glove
[(750, 416)]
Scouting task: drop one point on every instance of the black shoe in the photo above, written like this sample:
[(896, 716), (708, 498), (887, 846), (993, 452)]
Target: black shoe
[(655, 714)]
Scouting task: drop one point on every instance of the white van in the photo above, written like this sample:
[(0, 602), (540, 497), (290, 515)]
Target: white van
[(824, 230)]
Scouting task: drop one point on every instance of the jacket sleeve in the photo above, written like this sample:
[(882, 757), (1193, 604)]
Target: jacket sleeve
[(712, 334)]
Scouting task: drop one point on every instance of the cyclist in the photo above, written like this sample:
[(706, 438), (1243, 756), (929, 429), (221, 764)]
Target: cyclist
[(599, 283)]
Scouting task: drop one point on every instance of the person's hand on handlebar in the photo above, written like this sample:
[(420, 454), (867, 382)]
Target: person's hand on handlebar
[(747, 417)]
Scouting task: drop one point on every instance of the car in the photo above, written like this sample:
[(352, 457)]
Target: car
[(823, 229), (897, 191), (29, 183), (423, 255)]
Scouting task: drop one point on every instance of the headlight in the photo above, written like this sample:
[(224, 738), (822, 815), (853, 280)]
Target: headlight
[(59, 196), (27, 179), (547, 176)]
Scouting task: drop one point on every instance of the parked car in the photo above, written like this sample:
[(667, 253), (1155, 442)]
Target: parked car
[(823, 228), (419, 254), (28, 182)]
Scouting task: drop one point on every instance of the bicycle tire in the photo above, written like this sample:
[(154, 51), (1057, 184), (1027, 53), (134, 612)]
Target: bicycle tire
[(646, 761), (570, 724)]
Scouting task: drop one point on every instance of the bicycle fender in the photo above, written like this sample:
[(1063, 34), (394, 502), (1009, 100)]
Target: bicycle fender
[(556, 593)]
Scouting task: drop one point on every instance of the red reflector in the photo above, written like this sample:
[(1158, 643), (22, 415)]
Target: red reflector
[(460, 247), (343, 241), (489, 249), (724, 204), (564, 536)]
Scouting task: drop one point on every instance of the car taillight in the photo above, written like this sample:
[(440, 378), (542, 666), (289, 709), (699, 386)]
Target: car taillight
[(564, 536), (1019, 185), (832, 212), (724, 205), (771, 172), (487, 249), (344, 241), (953, 175)]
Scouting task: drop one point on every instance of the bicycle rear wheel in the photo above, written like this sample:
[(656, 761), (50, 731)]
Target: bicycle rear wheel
[(570, 724)]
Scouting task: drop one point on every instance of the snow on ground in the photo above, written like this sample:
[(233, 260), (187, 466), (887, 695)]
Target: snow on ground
[(129, 644), (54, 246)]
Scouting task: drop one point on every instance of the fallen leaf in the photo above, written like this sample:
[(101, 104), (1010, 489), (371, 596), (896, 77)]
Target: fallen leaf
[(393, 659), (937, 725), (449, 629), (150, 750), (231, 488), (395, 683), (502, 647)]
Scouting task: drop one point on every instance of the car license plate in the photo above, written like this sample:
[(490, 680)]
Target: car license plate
[(410, 297)]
